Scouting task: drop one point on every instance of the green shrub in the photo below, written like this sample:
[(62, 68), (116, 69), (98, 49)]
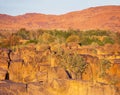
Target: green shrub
[(24, 34), (96, 33), (73, 38), (60, 34), (107, 40), (32, 41)]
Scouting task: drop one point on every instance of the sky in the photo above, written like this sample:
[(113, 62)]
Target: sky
[(57, 7)]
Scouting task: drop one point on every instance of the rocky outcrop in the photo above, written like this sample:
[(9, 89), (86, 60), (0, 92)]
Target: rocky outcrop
[(3, 74), (31, 71), (12, 88), (76, 87), (29, 65), (4, 59), (57, 87)]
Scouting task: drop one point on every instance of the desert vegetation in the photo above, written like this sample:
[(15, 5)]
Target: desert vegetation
[(90, 37)]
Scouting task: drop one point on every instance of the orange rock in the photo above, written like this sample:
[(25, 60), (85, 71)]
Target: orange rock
[(87, 19)]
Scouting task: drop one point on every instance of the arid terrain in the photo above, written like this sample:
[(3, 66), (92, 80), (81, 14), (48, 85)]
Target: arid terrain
[(105, 18), (77, 53)]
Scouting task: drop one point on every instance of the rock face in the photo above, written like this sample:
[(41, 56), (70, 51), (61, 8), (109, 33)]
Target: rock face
[(29, 71), (28, 65), (57, 87), (73, 87), (91, 18), (3, 63), (11, 88), (3, 74)]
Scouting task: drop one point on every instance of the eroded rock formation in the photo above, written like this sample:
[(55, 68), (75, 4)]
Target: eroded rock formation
[(30, 71)]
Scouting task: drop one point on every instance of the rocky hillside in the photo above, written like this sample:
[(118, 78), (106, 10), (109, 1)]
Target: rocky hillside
[(34, 70), (104, 18), (60, 63)]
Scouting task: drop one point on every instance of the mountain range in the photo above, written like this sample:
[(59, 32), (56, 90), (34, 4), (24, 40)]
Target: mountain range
[(101, 17)]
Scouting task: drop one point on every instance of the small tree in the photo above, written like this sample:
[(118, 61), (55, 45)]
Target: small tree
[(11, 41), (23, 33), (72, 63), (78, 66)]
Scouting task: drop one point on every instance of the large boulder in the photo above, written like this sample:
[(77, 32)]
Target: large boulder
[(3, 69), (20, 72), (56, 73), (3, 73), (4, 59), (11, 88)]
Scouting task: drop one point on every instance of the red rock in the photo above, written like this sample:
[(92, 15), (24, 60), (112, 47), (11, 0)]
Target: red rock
[(91, 18)]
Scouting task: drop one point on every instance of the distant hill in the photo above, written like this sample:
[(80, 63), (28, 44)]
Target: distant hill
[(103, 17)]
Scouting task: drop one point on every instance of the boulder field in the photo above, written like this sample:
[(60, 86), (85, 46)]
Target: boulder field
[(33, 71)]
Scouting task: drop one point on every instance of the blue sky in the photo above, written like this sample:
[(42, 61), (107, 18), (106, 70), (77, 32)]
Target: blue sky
[(18, 7)]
